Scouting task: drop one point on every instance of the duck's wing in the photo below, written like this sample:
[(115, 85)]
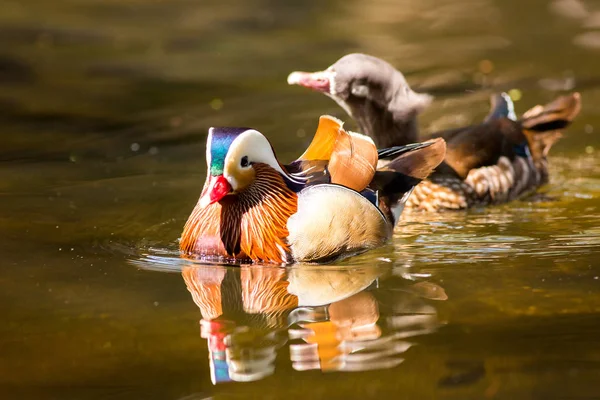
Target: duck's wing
[(324, 140), (311, 166), (353, 161), (482, 145), (416, 160), (395, 179), (334, 220), (501, 106), (336, 156), (393, 152)]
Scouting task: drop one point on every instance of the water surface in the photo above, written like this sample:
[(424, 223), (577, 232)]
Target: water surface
[(104, 109)]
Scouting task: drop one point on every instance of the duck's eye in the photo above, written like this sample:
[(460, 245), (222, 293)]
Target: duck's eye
[(244, 163), (360, 89)]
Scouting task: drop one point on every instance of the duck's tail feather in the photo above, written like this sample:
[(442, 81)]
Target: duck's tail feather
[(394, 180), (393, 152), (540, 143), (415, 160), (555, 115), (542, 123)]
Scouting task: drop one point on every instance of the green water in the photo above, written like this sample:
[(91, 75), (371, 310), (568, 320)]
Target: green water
[(104, 109)]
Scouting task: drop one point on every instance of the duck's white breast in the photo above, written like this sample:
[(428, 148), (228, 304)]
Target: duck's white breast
[(334, 221)]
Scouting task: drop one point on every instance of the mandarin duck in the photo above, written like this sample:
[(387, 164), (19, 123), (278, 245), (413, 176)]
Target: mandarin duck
[(496, 161), (332, 202)]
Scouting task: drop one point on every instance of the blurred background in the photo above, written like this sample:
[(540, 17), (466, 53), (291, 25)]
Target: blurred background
[(104, 110)]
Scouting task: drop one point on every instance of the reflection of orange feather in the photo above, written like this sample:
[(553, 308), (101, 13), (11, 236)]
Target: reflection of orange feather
[(249, 225), (205, 286), (265, 291), (325, 335)]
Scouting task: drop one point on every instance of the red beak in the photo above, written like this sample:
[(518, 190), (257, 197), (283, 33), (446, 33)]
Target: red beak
[(218, 187), (318, 81)]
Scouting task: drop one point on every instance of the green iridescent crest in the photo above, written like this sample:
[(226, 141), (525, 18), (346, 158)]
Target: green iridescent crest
[(219, 146)]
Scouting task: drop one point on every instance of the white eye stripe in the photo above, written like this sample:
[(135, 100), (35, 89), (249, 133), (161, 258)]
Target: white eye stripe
[(253, 145)]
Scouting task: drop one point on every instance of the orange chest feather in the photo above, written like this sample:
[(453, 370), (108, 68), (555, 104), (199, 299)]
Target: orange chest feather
[(249, 226)]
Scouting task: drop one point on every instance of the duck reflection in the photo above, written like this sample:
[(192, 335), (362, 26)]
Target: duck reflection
[(243, 312), (332, 319)]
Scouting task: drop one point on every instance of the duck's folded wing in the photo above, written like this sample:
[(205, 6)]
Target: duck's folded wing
[(324, 140), (482, 145), (311, 166), (395, 179), (353, 161), (415, 160), (336, 156)]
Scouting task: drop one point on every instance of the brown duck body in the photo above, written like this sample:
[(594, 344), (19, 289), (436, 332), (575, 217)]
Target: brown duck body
[(493, 162), (497, 161), (499, 183)]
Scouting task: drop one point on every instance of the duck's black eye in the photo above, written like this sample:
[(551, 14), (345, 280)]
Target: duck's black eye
[(244, 163)]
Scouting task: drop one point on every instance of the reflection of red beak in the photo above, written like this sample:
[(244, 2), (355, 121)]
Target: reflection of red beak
[(218, 187), (318, 81)]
